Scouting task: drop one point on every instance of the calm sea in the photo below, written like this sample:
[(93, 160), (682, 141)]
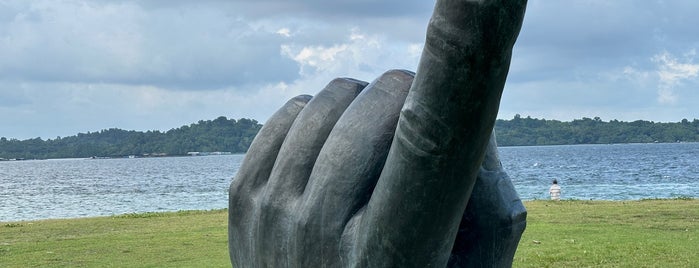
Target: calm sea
[(67, 188)]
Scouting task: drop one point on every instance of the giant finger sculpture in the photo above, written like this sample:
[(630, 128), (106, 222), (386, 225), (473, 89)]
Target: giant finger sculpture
[(381, 175)]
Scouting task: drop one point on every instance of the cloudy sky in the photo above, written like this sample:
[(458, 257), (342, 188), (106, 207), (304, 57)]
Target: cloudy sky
[(74, 66)]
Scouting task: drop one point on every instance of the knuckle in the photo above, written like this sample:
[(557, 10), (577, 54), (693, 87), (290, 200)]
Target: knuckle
[(422, 131)]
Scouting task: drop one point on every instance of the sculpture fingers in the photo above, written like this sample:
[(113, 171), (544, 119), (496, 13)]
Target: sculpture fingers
[(307, 135), (253, 174), (260, 158), (293, 166), (346, 170), (414, 213), (494, 220)]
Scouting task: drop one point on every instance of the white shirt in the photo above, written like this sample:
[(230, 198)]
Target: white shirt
[(555, 192)]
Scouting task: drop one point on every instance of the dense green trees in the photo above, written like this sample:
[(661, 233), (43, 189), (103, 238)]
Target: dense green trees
[(229, 135), (531, 131), (220, 134)]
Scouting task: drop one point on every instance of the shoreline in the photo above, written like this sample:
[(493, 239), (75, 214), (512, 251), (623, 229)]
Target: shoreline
[(200, 154), (189, 154), (128, 214), (148, 214), (593, 144)]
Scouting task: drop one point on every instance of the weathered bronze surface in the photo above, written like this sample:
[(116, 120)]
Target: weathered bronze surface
[(402, 172)]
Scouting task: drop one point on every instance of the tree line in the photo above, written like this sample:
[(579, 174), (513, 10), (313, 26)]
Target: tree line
[(218, 135), (230, 135), (531, 131)]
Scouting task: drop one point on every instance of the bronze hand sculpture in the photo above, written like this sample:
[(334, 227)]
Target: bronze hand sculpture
[(402, 172)]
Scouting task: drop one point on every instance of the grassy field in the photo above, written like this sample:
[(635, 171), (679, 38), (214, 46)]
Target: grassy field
[(181, 239), (647, 233)]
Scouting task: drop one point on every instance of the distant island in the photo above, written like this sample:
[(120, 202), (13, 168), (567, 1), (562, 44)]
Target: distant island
[(223, 135), (201, 138), (531, 131)]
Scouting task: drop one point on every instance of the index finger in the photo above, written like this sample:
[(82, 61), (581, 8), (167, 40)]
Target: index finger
[(441, 136)]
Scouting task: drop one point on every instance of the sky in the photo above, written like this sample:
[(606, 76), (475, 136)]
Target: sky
[(73, 66)]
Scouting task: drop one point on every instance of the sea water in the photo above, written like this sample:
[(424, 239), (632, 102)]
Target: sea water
[(68, 188), (605, 172)]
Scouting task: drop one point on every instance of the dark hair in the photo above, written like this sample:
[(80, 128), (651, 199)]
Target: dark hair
[(555, 181)]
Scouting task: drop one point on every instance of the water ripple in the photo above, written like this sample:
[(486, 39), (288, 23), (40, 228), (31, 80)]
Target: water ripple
[(70, 188)]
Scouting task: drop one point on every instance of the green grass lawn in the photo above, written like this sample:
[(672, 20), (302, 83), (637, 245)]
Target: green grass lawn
[(647, 233), (181, 239)]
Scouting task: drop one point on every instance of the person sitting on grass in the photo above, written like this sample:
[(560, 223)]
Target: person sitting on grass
[(555, 191)]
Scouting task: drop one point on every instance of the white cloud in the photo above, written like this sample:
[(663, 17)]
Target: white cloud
[(320, 58), (360, 55), (672, 72), (284, 32)]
